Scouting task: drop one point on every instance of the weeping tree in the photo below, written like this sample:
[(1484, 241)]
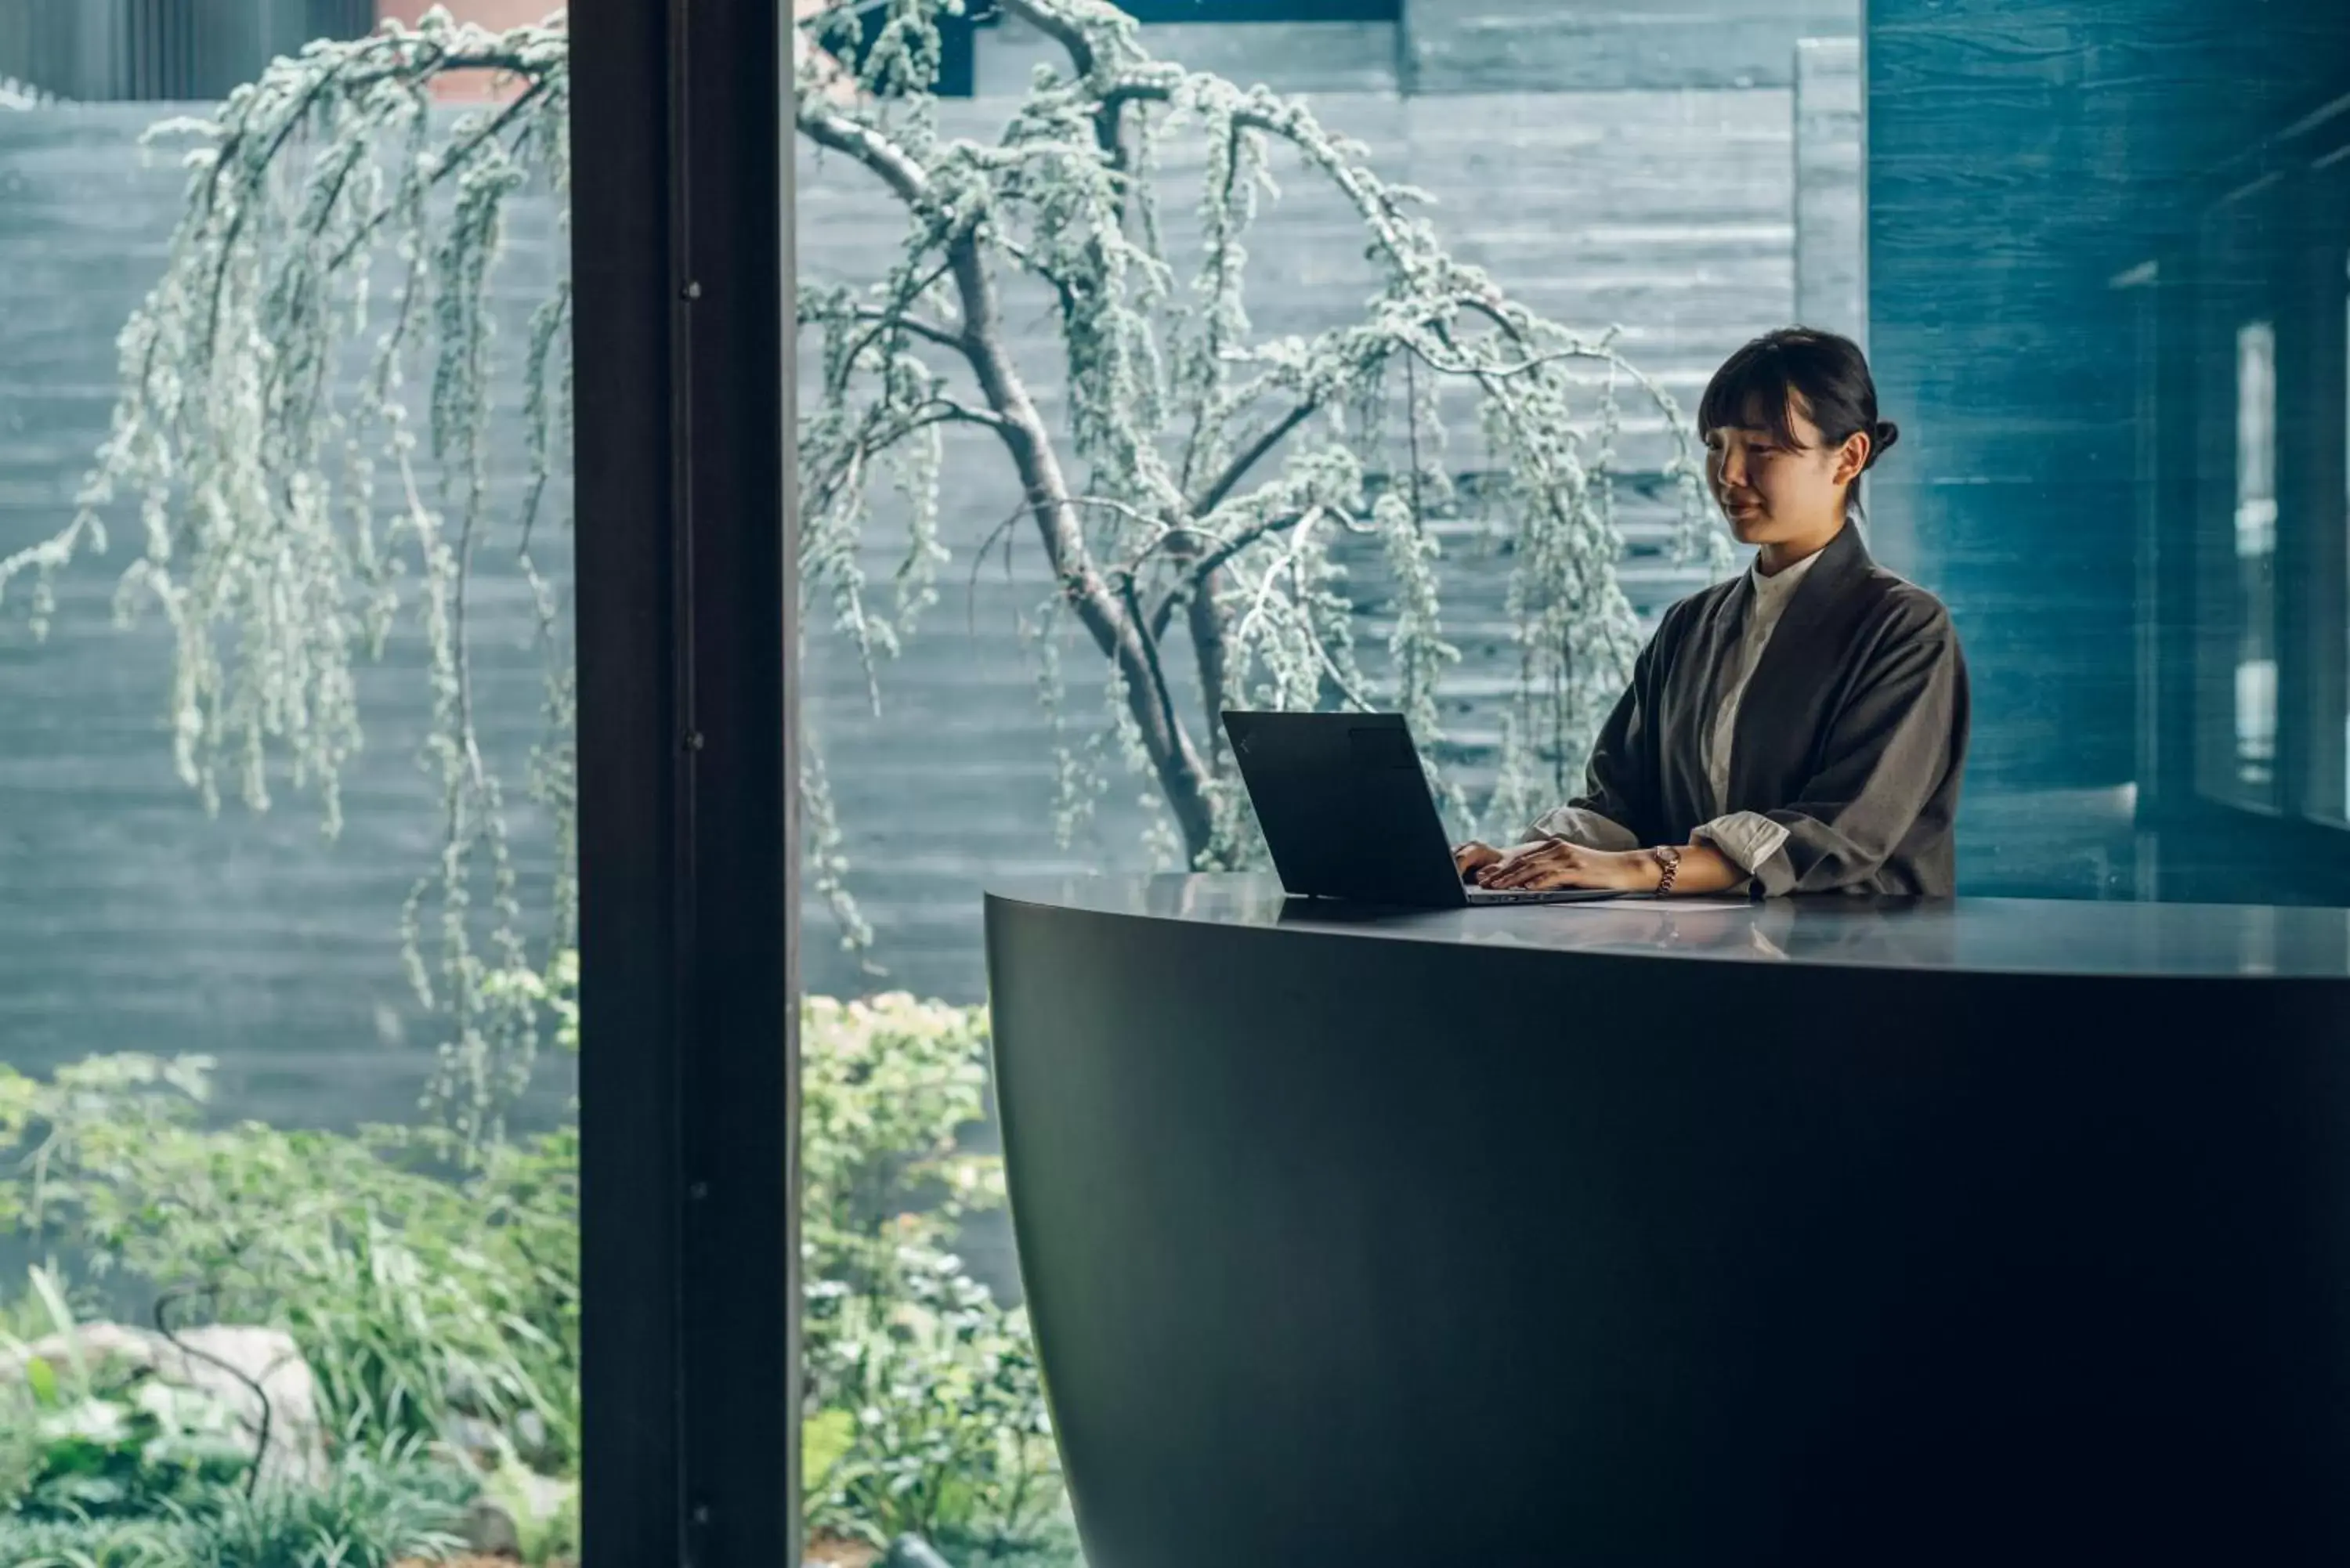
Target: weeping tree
[(304, 444), (1197, 508)]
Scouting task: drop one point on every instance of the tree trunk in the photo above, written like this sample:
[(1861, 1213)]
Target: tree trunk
[(1206, 619), (1115, 630)]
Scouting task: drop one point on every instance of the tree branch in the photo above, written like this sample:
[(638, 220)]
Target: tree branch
[(836, 467), (1062, 289), (1109, 115), (1158, 688), (1238, 469), (1198, 570), (1222, 239), (1069, 34), (162, 1315), (881, 317), (898, 169), (448, 165), (1206, 621), (930, 332), (1183, 775), (1291, 122), (949, 411)]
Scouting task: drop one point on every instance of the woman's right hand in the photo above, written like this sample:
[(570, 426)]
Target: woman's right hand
[(1473, 857)]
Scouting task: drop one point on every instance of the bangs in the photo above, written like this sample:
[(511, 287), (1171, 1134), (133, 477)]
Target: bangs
[(1754, 390)]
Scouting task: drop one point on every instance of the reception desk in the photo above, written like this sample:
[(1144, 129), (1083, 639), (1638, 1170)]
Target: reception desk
[(1820, 1232)]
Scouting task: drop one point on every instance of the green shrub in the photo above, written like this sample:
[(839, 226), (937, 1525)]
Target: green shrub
[(437, 1301), (375, 1509), (935, 1390), (94, 1439), (419, 1294), (926, 1412)]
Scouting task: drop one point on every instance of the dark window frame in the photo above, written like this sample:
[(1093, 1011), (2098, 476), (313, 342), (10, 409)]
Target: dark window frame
[(688, 836)]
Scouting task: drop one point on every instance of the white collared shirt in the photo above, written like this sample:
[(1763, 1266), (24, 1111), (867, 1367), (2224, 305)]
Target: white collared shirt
[(1747, 838), (1769, 602)]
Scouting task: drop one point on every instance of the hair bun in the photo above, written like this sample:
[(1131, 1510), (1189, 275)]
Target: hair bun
[(1885, 435)]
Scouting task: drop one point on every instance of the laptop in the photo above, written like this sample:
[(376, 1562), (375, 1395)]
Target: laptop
[(1346, 811)]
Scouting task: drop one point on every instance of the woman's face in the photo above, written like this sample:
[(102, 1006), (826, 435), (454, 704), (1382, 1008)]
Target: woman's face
[(1777, 489)]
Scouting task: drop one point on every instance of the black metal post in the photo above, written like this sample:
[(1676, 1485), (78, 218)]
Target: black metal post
[(688, 837)]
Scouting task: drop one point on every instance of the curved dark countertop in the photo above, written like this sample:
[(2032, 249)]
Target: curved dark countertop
[(1815, 1233), (2017, 935)]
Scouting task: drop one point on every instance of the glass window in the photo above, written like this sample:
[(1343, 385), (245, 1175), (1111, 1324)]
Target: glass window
[(1315, 460), (2256, 551), (2156, 646), (288, 1238), (1186, 423), (2249, 675)]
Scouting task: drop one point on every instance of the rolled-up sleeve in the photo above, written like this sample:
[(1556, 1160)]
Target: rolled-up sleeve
[(1886, 754), (1747, 839)]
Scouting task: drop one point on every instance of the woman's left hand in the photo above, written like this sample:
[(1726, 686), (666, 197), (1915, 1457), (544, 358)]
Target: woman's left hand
[(1542, 866)]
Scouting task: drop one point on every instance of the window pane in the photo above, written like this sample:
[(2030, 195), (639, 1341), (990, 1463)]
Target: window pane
[(1637, 196), (2145, 560), (2256, 544), (1163, 435), (286, 992)]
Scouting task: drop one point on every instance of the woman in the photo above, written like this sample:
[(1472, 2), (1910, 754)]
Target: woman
[(1799, 729)]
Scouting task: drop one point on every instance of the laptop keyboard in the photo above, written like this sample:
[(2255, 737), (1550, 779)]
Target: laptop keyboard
[(1566, 895)]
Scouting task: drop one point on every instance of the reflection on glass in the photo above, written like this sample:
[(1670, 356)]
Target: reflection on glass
[(2256, 537)]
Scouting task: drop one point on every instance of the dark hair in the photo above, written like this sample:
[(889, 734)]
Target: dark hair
[(1758, 388)]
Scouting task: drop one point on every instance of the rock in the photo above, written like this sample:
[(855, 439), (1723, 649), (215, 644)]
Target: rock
[(541, 1497), (827, 1551), (912, 1552), (491, 1531), (476, 1438), (223, 1361)]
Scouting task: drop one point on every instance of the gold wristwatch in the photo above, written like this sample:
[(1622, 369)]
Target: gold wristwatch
[(1668, 860)]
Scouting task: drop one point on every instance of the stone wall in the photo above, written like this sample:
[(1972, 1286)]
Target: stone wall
[(2023, 161), (129, 920)]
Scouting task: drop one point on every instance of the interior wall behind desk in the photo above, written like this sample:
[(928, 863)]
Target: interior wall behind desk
[(2023, 156)]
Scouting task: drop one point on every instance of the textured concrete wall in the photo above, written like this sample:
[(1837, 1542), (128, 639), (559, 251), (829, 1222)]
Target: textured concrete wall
[(1289, 57), (2021, 157), (130, 921), (109, 51), (1831, 197), (1556, 46)]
